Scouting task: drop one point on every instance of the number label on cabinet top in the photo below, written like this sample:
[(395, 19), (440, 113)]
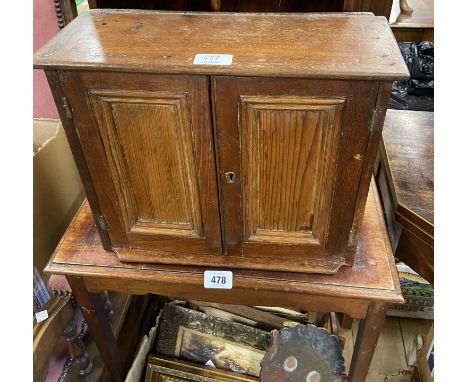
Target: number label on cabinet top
[(213, 59)]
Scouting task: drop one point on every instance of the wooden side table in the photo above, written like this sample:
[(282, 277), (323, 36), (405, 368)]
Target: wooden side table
[(405, 176), (362, 291)]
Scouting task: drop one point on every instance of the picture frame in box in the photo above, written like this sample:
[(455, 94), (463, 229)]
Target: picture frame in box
[(197, 337), (162, 369)]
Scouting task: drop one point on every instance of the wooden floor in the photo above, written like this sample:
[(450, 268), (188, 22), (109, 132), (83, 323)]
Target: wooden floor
[(391, 355)]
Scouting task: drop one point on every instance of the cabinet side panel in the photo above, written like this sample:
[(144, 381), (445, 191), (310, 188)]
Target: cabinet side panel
[(75, 146), (375, 126)]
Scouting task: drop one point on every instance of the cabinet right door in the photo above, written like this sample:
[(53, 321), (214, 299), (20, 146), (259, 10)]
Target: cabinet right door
[(290, 154)]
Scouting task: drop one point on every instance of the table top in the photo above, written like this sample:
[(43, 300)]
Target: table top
[(313, 45), (373, 276), (408, 157)]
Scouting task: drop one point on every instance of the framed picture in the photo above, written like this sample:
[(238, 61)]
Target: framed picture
[(197, 337), (162, 369)]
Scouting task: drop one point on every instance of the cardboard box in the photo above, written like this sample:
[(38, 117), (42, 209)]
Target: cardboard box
[(58, 191)]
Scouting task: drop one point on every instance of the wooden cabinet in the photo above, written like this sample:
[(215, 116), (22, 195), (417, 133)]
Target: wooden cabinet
[(262, 161)]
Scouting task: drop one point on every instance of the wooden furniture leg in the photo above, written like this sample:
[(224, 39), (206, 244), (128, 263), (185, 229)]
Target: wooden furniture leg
[(96, 318), (320, 319), (47, 333), (366, 341), (346, 321), (77, 349)]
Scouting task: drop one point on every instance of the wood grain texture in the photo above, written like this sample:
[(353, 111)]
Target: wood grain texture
[(292, 45), (408, 141), (151, 158), (366, 342), (403, 34), (343, 189), (395, 339), (128, 329), (407, 166), (364, 288), (390, 349), (264, 318), (347, 335), (301, 147), (77, 151), (93, 312), (149, 151), (383, 185), (417, 253), (289, 154), (377, 7), (125, 325), (376, 124), (373, 275)]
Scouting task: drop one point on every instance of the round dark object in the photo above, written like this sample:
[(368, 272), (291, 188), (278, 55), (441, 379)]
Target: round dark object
[(303, 353)]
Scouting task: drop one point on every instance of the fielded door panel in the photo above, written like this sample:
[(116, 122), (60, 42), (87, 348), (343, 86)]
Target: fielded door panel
[(289, 158), (148, 144)]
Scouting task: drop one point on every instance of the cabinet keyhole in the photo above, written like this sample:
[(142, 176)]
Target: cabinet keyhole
[(230, 177)]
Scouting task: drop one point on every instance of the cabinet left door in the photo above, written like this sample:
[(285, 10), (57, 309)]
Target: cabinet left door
[(148, 144)]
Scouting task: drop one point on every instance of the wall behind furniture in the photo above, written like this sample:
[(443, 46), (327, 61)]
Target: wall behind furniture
[(57, 186), (45, 26)]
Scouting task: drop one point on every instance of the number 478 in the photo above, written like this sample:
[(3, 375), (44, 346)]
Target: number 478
[(218, 280)]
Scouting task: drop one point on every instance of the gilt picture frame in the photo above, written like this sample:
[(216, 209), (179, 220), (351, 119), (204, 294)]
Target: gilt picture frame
[(163, 369)]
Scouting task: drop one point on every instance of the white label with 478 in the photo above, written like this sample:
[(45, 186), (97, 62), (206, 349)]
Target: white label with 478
[(217, 279)]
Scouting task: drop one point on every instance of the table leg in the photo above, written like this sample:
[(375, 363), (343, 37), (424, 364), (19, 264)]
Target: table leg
[(366, 341), (93, 312), (346, 322)]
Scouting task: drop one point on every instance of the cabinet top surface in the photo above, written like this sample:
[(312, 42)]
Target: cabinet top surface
[(314, 45)]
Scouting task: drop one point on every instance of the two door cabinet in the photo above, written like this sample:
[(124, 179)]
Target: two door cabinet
[(225, 140)]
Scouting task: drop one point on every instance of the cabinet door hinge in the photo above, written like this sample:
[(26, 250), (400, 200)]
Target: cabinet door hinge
[(375, 113), (66, 106), (101, 222)]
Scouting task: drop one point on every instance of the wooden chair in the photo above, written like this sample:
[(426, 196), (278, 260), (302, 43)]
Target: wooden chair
[(61, 309), (46, 334)]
